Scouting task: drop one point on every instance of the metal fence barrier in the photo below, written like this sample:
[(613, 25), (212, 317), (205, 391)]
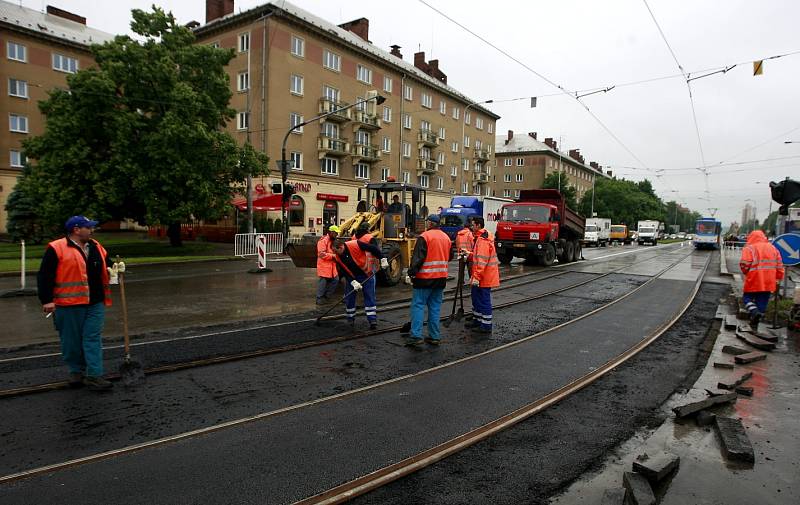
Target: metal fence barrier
[(246, 244)]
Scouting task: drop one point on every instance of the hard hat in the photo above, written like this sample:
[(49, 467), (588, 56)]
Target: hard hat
[(335, 229)]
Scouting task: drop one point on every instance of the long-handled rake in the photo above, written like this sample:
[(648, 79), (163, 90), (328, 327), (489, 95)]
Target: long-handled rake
[(319, 319), (130, 370)]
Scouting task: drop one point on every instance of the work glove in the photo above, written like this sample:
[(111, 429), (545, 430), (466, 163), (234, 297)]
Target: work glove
[(121, 267), (113, 271), (356, 285), (475, 282), (407, 280), (384, 263)]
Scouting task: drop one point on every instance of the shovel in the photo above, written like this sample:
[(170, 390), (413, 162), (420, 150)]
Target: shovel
[(459, 294), (130, 370), (319, 319)]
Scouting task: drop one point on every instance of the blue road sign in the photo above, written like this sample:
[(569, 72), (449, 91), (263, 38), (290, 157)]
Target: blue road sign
[(788, 245)]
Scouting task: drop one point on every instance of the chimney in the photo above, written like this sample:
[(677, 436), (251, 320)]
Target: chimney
[(358, 26), (216, 9), (55, 11), (431, 68), (594, 165), (192, 25), (575, 154), (549, 143), (419, 61), (532, 135), (608, 173), (396, 51)]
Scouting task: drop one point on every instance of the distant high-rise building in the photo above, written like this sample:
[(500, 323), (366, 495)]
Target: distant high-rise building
[(748, 214)]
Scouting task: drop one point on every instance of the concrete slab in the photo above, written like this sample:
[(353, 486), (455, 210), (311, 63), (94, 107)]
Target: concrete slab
[(755, 341), (656, 467), (704, 418), (735, 444), (639, 490), (731, 382), (724, 364), (734, 350), (731, 322), (750, 357), (615, 496), (744, 390), (694, 407)]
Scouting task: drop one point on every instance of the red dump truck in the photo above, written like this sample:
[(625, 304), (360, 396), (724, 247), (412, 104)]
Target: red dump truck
[(539, 227)]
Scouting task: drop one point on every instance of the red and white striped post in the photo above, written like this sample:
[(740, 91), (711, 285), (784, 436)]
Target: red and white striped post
[(261, 245)]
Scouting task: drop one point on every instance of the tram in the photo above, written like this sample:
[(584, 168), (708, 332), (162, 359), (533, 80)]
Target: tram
[(707, 233)]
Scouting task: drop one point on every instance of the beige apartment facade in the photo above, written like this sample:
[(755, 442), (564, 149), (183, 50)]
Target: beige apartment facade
[(291, 66), (523, 162), (39, 51)]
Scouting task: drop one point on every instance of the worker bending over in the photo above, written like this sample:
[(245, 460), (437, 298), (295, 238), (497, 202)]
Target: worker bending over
[(354, 265)]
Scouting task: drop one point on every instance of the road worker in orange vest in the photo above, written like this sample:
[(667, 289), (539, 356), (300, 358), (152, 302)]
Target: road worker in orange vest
[(465, 240), (362, 234), (485, 275), (326, 265), (428, 274), (73, 285), (763, 269), (354, 266)]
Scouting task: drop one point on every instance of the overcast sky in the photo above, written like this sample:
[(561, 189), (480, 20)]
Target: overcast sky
[(586, 45)]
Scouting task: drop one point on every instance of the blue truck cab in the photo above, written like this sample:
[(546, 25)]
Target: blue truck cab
[(461, 208)]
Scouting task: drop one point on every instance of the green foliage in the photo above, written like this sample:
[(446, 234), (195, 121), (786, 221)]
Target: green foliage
[(570, 193), (140, 136), (24, 222), (624, 202)]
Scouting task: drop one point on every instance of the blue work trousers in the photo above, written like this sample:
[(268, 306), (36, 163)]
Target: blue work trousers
[(756, 301), (80, 328), (432, 299), (370, 307), (482, 306)]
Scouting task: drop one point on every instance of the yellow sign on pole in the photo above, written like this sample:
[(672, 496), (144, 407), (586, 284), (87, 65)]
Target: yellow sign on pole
[(758, 67)]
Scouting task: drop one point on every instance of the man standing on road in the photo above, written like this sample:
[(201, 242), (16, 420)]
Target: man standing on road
[(73, 283), (428, 270), (763, 269), (465, 239), (485, 276), (354, 265), (326, 266)]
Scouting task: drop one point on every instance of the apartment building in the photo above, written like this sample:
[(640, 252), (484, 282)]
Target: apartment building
[(291, 66), (523, 162), (40, 49)]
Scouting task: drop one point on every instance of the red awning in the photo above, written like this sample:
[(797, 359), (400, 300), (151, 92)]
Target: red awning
[(260, 204)]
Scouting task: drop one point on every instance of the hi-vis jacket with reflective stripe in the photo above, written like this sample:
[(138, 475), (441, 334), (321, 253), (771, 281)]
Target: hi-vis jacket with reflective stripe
[(326, 258), (464, 240), (485, 267), (761, 263), (374, 264), (437, 255), (72, 281)]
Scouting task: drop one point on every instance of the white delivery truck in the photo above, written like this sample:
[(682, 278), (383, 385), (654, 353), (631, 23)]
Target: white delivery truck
[(598, 232), (648, 232)]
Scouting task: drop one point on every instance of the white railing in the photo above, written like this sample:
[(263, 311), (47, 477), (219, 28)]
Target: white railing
[(246, 244)]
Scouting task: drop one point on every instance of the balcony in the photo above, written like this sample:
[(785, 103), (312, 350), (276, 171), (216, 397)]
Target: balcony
[(327, 105), (329, 146), (482, 154), (428, 138), (426, 166), (480, 177), (366, 153), (366, 121)]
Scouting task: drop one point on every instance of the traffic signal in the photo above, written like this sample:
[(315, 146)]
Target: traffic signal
[(785, 193), (279, 189)]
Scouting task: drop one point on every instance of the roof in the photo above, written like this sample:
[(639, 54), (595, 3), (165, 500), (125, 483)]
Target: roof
[(47, 25), (527, 144), (293, 12)]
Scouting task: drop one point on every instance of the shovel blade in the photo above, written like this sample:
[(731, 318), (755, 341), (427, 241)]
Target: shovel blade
[(131, 372)]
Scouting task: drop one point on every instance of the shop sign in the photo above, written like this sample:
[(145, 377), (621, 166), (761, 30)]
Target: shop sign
[(330, 205), (333, 198)]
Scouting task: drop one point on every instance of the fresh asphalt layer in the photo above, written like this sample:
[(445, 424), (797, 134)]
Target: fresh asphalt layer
[(307, 450)]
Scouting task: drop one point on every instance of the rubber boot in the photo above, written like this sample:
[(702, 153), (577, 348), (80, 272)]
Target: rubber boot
[(755, 318)]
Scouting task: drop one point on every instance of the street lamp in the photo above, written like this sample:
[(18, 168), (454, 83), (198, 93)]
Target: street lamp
[(285, 163), (463, 133)]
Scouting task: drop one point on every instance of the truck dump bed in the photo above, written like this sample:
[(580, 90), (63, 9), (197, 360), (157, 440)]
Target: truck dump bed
[(569, 218)]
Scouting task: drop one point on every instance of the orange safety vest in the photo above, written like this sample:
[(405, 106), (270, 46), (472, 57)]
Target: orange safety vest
[(72, 281), (373, 261), (326, 258), (485, 267), (464, 240), (361, 258), (438, 253), (761, 263)]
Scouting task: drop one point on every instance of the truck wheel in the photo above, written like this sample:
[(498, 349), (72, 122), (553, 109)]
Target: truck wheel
[(576, 251), (569, 252), (391, 276), (504, 258), (549, 256)]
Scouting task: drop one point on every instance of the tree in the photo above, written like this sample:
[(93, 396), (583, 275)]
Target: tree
[(141, 135), (623, 201), (570, 193), (24, 222)]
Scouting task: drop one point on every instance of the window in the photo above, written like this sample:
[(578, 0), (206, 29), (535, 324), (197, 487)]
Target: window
[(215, 45), (407, 121), (479, 123), (18, 123), (361, 171), (406, 150), (243, 121), (423, 181), (427, 100), (425, 125), (360, 103), (406, 176), (519, 177), (454, 147), (490, 127), (489, 148), (297, 160), (387, 84), (442, 133), (330, 130), (298, 46), (330, 93), (364, 74), (442, 107), (387, 145), (507, 178), (17, 158), (329, 166), (456, 113), (453, 171), (296, 84), (16, 52), (387, 114), (465, 164), (331, 61), (478, 144), (18, 88), (385, 173), (507, 162), (466, 141), (520, 162), (488, 191), (440, 158), (64, 63), (506, 193), (295, 119), (408, 92), (425, 153), (440, 183), (296, 211), (243, 81), (516, 193), (362, 138), (468, 117), (244, 42), (464, 188)]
